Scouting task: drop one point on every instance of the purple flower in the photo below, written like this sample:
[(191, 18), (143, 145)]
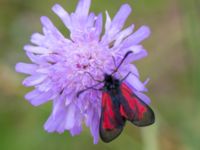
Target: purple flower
[(62, 66)]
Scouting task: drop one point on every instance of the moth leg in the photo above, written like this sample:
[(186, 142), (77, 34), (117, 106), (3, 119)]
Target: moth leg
[(125, 76), (94, 78), (89, 88), (96, 89)]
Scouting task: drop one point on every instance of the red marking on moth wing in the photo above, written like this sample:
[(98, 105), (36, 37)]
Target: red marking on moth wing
[(122, 112), (107, 112), (138, 108)]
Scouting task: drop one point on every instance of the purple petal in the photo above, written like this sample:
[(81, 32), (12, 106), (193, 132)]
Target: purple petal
[(70, 116), (69, 98), (48, 124), (37, 59), (34, 80), (134, 70), (89, 117), (82, 8), (58, 104), (55, 123), (26, 68), (141, 34), (129, 68), (90, 20), (38, 39), (108, 21), (64, 16), (120, 18), (52, 32), (65, 99), (37, 50), (98, 25), (137, 56), (135, 83), (123, 34), (146, 81), (46, 22), (37, 98), (117, 23), (62, 117), (76, 130), (77, 127), (45, 86), (143, 97), (95, 127)]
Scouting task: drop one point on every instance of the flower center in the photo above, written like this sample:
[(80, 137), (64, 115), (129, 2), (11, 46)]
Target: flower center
[(92, 60)]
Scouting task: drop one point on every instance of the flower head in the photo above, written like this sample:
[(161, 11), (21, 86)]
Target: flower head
[(62, 66)]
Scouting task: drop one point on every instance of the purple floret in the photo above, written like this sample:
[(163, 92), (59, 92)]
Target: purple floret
[(61, 66)]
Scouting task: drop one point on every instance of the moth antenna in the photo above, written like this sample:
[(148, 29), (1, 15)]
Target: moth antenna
[(125, 56)]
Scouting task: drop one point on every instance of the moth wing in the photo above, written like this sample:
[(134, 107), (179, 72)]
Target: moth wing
[(134, 109), (111, 122)]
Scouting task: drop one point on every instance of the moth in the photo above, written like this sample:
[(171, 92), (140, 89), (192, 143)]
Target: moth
[(119, 104)]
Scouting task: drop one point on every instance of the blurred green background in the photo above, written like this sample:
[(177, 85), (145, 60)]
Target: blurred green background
[(173, 65)]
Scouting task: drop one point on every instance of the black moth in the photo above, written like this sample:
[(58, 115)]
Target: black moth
[(119, 103)]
